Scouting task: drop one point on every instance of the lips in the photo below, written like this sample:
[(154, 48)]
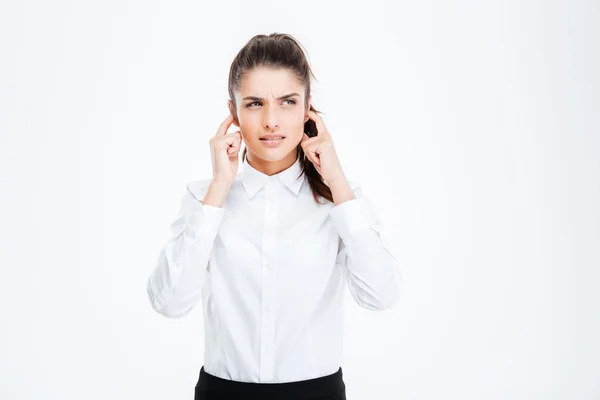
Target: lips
[(272, 137), (273, 143)]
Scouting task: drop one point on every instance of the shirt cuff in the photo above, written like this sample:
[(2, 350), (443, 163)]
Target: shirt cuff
[(204, 221), (351, 216)]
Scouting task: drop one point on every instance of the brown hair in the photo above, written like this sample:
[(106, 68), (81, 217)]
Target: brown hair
[(280, 50)]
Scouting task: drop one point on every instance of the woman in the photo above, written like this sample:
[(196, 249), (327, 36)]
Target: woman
[(268, 258)]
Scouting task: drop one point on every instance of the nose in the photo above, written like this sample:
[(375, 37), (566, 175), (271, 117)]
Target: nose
[(270, 118)]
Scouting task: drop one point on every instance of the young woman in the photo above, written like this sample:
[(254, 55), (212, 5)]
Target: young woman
[(269, 259)]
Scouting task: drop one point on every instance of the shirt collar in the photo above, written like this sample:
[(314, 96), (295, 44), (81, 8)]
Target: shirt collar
[(253, 180)]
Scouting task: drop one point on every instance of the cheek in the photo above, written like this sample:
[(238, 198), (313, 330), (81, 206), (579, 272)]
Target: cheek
[(249, 124)]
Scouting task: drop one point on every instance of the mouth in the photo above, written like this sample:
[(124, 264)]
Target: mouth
[(272, 141), (272, 138)]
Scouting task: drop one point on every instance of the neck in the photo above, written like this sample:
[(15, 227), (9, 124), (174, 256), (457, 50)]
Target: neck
[(268, 167)]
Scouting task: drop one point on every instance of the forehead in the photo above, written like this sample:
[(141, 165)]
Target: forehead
[(266, 82)]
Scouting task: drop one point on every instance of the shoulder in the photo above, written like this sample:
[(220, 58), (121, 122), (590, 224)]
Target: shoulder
[(198, 188), (356, 187), (354, 184)]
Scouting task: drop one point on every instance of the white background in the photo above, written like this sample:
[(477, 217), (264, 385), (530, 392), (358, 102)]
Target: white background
[(473, 127)]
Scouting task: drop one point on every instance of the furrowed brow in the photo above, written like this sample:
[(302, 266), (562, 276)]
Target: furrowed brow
[(279, 98)]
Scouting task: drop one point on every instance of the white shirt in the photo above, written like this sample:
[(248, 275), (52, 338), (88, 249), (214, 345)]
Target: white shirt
[(271, 266)]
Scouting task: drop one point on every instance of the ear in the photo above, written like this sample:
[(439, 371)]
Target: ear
[(233, 113), (306, 116)]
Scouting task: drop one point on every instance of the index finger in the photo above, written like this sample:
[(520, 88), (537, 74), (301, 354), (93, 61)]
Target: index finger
[(224, 126), (318, 121)]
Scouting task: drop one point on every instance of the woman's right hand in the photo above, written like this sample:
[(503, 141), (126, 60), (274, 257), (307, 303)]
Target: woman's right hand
[(224, 152)]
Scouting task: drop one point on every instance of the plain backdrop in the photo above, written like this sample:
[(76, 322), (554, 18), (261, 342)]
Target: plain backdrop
[(473, 127)]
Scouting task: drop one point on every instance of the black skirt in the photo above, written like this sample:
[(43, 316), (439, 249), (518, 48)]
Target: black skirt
[(329, 387)]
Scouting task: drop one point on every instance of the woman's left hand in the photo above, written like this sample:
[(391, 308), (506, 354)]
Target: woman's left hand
[(321, 151)]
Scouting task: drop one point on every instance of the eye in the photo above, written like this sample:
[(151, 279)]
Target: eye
[(254, 102)]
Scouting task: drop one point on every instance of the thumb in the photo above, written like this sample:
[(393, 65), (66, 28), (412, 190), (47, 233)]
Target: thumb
[(304, 137)]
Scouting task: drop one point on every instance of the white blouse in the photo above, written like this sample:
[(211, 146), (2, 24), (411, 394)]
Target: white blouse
[(270, 266)]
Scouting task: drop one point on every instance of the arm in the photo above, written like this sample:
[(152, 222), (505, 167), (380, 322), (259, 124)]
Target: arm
[(175, 285), (371, 271)]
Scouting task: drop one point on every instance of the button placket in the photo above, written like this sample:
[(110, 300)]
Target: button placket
[(268, 252)]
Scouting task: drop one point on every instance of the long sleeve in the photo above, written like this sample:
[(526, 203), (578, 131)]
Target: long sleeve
[(370, 269), (175, 285)]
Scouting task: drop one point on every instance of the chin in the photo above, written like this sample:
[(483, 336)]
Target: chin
[(274, 154)]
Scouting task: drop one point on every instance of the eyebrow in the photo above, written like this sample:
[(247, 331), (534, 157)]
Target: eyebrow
[(279, 98)]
